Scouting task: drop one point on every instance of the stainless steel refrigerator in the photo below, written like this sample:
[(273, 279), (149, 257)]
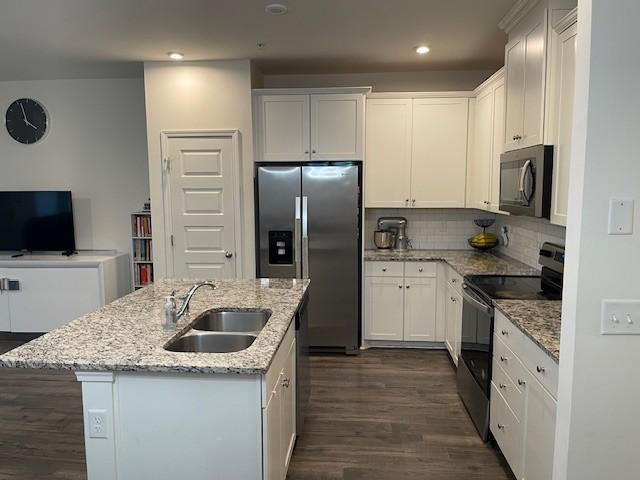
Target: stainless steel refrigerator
[(308, 226)]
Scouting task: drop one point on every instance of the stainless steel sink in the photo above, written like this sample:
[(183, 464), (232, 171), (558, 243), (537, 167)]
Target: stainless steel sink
[(211, 342), (232, 321)]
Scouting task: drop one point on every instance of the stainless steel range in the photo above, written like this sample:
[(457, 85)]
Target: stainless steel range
[(479, 292)]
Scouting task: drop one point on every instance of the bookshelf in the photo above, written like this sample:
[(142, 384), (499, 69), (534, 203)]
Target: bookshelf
[(141, 249)]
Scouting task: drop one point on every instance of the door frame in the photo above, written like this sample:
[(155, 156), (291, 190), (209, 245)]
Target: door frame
[(238, 201)]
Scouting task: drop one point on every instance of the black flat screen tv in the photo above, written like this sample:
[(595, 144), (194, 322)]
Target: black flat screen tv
[(36, 222)]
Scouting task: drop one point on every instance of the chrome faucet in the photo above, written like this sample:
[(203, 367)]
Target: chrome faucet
[(172, 314)]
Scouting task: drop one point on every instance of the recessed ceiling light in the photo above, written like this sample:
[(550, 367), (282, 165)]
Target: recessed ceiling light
[(175, 55), (422, 50), (276, 9)]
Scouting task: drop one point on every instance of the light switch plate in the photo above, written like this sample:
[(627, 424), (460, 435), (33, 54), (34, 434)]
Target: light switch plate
[(98, 423), (620, 317), (621, 216)]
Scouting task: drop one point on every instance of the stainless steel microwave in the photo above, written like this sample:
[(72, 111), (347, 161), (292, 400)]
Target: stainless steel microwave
[(525, 181)]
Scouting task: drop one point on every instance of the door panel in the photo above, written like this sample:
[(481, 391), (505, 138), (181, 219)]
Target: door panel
[(420, 309), (534, 82), (283, 128), (288, 386), (497, 145), (384, 298), (514, 111), (336, 127), (539, 434), (333, 260), (479, 165), (439, 158), (388, 164), (201, 195), (45, 302), (278, 189), (272, 426)]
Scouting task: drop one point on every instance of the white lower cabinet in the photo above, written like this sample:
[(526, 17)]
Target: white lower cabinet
[(400, 301), (523, 406), (453, 328), (279, 410)]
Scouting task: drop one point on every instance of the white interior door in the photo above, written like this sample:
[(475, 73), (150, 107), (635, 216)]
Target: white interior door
[(202, 206)]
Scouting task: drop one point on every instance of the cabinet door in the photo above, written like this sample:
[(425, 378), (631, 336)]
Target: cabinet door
[(384, 300), (514, 81), (51, 297), (479, 163), (534, 83), (5, 319), (539, 431), (439, 152), (454, 323), (420, 309), (564, 80), (497, 145), (337, 123), (272, 423), (441, 303), (282, 128), (387, 168), (288, 390)]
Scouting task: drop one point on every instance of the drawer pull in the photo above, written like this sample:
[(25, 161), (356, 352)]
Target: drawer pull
[(384, 269), (503, 386), (420, 269), (408, 286), (503, 359), (399, 286), (500, 426), (540, 369), (521, 382), (504, 332), (454, 280)]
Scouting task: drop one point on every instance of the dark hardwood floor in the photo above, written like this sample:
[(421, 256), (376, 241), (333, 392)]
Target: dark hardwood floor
[(385, 414)]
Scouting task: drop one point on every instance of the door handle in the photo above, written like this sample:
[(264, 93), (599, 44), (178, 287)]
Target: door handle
[(298, 238), (305, 238)]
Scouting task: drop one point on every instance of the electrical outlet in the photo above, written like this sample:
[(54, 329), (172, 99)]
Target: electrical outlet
[(98, 426), (620, 317)]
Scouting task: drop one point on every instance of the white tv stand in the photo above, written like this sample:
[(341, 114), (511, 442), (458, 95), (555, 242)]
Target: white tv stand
[(54, 289)]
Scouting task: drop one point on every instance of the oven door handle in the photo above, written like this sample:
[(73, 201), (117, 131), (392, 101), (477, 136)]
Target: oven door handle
[(526, 197), (476, 302)]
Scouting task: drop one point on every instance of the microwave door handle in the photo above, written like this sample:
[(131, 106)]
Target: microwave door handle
[(523, 173), (297, 243)]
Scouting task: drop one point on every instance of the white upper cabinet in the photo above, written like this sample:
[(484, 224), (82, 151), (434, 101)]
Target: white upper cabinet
[(337, 126), (486, 145), (514, 104), (563, 58), (302, 126), (439, 152), (388, 147), (282, 128)]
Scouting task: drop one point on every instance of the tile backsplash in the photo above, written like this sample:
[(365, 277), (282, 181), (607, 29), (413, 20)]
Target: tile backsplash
[(430, 228), (526, 236), (450, 228)]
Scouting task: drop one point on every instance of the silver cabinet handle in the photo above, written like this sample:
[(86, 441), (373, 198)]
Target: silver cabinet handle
[(454, 299), (521, 382), (399, 286), (313, 151), (454, 280), (408, 286), (406, 201), (286, 382), (504, 332), (420, 269), (503, 359), (228, 254), (413, 202), (306, 152), (540, 369), (384, 269), (500, 426), (502, 385)]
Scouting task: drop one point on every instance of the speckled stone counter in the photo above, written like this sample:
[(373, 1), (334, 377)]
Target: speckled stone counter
[(465, 262), (538, 319), (127, 335)]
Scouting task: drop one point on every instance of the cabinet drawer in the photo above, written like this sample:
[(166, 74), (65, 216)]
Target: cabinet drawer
[(509, 362), (383, 269), (508, 333), (542, 366), (506, 429), (513, 395), (454, 279), (420, 269)]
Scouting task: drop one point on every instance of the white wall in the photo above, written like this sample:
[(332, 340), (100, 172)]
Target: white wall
[(430, 81), (96, 147), (212, 95), (526, 236), (598, 425)]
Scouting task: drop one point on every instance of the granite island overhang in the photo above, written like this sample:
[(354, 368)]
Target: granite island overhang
[(144, 407)]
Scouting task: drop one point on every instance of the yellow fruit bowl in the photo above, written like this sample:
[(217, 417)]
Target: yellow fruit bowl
[(484, 241)]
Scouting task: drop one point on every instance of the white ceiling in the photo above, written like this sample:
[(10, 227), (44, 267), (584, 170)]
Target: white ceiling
[(95, 38)]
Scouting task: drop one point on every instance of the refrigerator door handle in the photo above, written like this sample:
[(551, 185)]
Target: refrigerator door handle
[(297, 239), (305, 239)]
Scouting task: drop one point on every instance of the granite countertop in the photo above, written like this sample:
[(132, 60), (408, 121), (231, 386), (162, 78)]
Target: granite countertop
[(465, 262), (538, 319), (127, 335)]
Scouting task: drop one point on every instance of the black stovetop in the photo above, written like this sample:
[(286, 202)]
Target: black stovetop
[(510, 287)]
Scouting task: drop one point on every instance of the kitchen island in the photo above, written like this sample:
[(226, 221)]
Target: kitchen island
[(153, 413)]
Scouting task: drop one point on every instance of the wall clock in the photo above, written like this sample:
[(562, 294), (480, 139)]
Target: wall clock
[(26, 120)]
